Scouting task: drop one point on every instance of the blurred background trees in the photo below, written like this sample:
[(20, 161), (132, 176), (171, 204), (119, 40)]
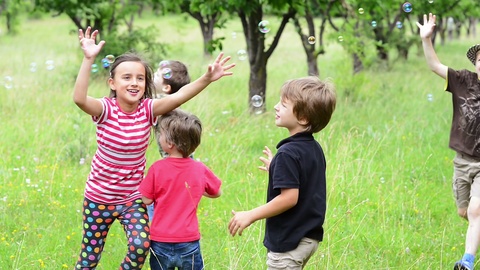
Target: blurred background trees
[(361, 27)]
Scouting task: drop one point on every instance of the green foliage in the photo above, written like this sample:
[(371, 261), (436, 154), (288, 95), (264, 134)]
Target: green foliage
[(12, 10), (139, 40), (389, 166)]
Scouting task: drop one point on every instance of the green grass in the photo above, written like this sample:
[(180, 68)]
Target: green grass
[(390, 204)]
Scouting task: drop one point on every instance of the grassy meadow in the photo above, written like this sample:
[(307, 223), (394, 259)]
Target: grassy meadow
[(390, 204)]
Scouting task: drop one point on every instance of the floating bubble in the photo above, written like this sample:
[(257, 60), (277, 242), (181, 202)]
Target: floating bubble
[(242, 55), (257, 101), (105, 63), (407, 7), (110, 58), (340, 38), (50, 64), (94, 68), (8, 82), (311, 40), (374, 24), (264, 27), (361, 11), (430, 1), (33, 67), (399, 24), (163, 64), (234, 35), (166, 73), (430, 97)]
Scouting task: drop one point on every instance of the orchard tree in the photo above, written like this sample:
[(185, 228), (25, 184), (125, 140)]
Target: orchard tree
[(12, 9), (210, 15), (312, 43), (251, 16), (102, 15)]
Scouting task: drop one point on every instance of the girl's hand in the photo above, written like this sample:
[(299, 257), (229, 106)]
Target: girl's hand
[(218, 69), (87, 42), (426, 30), (266, 161)]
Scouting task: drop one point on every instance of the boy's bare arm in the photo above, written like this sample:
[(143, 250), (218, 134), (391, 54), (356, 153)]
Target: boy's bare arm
[(146, 200), (426, 31), (287, 199)]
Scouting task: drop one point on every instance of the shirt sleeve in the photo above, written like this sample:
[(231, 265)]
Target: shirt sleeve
[(147, 188), (148, 103), (105, 112), (286, 173), (212, 182)]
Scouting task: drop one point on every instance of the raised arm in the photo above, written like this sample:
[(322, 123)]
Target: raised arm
[(214, 72), (88, 104), (426, 31)]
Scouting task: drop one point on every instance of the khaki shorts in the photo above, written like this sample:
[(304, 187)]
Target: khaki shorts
[(466, 179), (294, 259)]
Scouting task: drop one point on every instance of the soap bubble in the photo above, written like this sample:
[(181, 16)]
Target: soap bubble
[(166, 73), (361, 11), (340, 38), (110, 58), (399, 24), (94, 68), (263, 26), (105, 63), (163, 64), (242, 55), (257, 101), (311, 40), (33, 67), (374, 24), (407, 7), (50, 64), (8, 82)]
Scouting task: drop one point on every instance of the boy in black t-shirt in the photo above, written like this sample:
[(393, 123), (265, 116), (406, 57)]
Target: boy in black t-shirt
[(296, 197), (464, 86)]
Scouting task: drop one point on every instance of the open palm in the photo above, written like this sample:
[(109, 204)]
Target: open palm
[(87, 42), (218, 69), (426, 30)]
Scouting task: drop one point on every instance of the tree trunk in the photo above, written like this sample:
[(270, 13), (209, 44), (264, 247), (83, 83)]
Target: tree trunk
[(207, 25), (257, 55), (357, 64)]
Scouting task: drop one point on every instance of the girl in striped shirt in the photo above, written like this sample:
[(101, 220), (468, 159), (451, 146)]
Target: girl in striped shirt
[(123, 123)]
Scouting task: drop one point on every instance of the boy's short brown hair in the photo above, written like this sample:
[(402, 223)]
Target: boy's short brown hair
[(179, 75), (313, 100), (182, 129)]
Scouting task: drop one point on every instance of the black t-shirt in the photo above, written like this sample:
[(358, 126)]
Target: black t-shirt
[(299, 163), (465, 131)]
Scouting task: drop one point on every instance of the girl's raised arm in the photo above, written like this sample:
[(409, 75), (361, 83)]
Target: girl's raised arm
[(88, 104), (214, 72)]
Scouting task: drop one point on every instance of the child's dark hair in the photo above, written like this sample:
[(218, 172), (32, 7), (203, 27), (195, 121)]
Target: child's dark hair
[(180, 76), (133, 57), (313, 101), (182, 129)]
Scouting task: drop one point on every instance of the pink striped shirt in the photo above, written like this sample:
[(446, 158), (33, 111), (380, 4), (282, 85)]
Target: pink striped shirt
[(119, 162)]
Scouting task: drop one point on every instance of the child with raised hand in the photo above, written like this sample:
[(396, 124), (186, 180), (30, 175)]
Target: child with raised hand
[(464, 85), (296, 194), (123, 123), (176, 185)]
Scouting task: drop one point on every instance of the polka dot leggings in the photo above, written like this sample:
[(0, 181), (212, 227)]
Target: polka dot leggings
[(97, 220)]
